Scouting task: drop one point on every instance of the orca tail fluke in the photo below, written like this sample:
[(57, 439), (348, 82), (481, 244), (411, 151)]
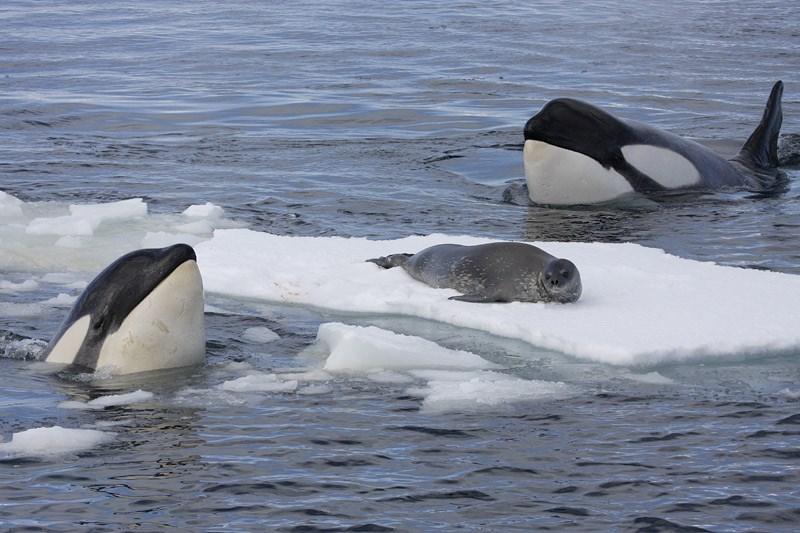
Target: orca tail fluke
[(761, 149), (390, 261)]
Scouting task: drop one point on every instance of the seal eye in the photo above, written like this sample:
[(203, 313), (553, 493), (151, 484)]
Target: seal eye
[(565, 274)]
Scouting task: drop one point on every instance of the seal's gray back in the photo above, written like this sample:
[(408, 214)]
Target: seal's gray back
[(491, 269)]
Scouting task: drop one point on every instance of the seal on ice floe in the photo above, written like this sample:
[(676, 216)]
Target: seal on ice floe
[(494, 272)]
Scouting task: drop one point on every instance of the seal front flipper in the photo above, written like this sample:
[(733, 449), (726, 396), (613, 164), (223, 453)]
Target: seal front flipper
[(760, 152), (477, 298), (390, 261)]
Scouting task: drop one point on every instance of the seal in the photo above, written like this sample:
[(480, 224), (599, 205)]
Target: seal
[(494, 272), (576, 153), (143, 312)]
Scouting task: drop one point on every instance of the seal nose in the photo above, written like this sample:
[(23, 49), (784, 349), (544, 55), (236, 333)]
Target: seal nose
[(553, 281)]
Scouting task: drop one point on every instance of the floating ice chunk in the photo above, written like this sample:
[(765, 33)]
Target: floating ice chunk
[(10, 206), (62, 300), (207, 210), (136, 396), (84, 219), (484, 390), (369, 349), (88, 237), (53, 441), (260, 334), (109, 401), (640, 305), (67, 225), (132, 208), (457, 380), (10, 286), (259, 383)]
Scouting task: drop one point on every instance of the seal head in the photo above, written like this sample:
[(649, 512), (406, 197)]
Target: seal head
[(562, 281)]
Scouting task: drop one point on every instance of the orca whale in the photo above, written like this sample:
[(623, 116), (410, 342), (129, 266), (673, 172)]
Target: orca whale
[(143, 312), (576, 153)]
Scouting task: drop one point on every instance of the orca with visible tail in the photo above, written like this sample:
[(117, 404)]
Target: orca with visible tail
[(576, 153), (143, 312)]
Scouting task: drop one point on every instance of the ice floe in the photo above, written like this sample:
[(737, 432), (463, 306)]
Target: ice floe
[(374, 350), (640, 306), (449, 391), (455, 379), (23, 286), (260, 335), (207, 210), (444, 379), (53, 440), (85, 219), (111, 400), (87, 237)]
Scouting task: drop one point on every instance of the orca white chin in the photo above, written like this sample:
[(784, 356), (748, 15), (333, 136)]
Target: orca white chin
[(558, 176), (144, 312), (166, 329), (70, 342)]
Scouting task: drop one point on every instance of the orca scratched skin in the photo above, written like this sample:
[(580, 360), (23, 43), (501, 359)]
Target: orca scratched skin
[(493, 272), (143, 312), (576, 153)]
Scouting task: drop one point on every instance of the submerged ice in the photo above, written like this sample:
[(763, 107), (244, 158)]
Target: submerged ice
[(443, 379), (454, 379)]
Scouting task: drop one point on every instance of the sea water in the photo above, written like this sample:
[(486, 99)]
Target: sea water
[(197, 120)]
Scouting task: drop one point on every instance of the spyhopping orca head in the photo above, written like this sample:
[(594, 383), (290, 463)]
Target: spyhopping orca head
[(143, 312)]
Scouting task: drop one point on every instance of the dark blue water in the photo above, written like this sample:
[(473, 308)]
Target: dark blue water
[(384, 120)]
